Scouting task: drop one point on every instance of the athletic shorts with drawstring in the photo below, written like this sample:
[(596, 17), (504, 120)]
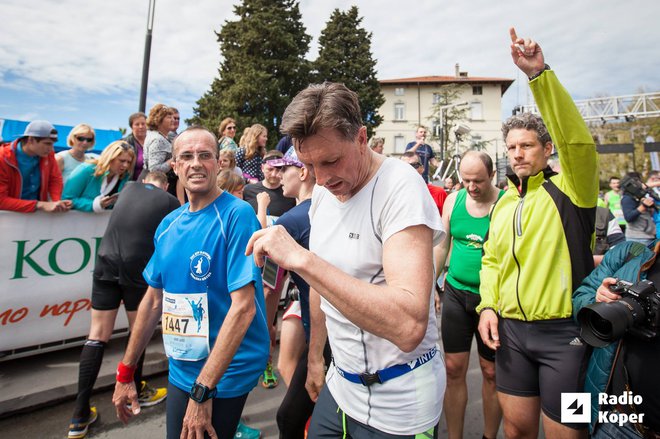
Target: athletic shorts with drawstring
[(542, 358)]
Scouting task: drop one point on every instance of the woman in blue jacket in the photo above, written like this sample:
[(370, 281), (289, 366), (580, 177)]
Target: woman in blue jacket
[(95, 185)]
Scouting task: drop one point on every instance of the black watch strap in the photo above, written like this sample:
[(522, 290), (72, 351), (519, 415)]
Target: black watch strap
[(537, 74), (200, 393)]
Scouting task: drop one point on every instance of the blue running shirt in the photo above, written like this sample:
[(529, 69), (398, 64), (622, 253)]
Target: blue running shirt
[(199, 259)]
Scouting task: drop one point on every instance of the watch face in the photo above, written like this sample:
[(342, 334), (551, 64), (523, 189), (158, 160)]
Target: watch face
[(197, 392)]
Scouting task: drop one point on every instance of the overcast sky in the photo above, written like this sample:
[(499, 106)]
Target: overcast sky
[(75, 61)]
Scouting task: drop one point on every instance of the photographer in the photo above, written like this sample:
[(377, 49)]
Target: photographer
[(622, 365), (637, 204)]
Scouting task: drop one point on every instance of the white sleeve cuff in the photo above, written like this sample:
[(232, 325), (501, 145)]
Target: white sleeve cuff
[(96, 205)]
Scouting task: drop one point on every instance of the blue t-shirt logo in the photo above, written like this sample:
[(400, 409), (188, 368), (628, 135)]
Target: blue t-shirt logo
[(200, 266)]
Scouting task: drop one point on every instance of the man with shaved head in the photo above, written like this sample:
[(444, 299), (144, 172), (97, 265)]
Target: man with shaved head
[(466, 220)]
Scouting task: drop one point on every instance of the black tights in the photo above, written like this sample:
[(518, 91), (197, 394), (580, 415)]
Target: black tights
[(297, 407)]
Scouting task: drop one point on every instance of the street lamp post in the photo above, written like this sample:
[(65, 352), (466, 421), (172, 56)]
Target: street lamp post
[(147, 55), (442, 125)]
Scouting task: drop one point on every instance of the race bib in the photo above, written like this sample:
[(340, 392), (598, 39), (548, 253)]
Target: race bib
[(186, 326)]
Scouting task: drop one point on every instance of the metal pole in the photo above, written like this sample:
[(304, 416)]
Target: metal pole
[(442, 134), (147, 54)]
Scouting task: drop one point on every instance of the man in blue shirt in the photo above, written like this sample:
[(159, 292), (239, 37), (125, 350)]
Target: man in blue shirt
[(218, 348), (423, 151)]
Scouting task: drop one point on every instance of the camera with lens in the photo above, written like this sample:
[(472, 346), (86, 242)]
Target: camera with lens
[(635, 188), (636, 312)]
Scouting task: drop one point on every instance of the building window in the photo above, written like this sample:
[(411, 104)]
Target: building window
[(477, 90), (436, 98), (399, 91), (399, 144), (399, 111), (476, 111)]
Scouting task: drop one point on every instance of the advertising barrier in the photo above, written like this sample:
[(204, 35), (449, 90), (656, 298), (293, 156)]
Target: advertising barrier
[(46, 264)]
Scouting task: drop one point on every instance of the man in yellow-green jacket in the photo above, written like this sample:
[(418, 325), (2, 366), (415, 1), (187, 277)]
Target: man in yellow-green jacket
[(538, 251)]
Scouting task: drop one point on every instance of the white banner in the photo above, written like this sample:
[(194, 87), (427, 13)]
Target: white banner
[(46, 264)]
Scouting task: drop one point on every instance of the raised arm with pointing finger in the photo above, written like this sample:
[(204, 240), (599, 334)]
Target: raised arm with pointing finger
[(537, 252)]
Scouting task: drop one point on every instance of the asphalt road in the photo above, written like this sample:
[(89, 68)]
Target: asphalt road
[(52, 422)]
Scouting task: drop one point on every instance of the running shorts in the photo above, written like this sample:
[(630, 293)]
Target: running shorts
[(459, 322), (542, 358), (108, 295)]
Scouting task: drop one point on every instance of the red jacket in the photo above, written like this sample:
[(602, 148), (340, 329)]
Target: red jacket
[(439, 195), (11, 182)]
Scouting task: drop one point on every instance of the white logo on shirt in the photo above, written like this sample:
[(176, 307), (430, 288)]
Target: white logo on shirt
[(200, 266)]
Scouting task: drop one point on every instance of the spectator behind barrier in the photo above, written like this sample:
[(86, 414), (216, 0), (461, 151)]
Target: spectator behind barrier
[(95, 186), (228, 162), (249, 157), (81, 138), (138, 123), (29, 176), (227, 132), (228, 181), (176, 119)]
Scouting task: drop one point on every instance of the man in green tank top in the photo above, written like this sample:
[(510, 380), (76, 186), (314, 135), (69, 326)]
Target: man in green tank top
[(466, 220), (613, 201)]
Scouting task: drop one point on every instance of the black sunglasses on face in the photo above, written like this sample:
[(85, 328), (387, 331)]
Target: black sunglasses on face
[(85, 139), (416, 165)]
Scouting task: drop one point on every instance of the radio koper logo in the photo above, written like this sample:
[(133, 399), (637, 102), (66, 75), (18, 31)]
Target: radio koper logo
[(575, 407)]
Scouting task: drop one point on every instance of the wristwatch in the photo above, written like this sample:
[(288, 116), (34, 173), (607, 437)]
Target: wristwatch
[(200, 393), (537, 74)]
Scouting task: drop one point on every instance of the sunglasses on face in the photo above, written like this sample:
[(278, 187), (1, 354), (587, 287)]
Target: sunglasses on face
[(416, 165), (231, 128), (85, 139)]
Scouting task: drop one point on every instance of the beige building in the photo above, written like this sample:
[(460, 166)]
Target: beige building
[(409, 102)]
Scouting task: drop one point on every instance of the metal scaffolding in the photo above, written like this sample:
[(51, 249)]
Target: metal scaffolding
[(604, 109)]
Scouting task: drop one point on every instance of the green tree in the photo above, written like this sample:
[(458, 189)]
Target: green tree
[(447, 96), (345, 56), (262, 66)]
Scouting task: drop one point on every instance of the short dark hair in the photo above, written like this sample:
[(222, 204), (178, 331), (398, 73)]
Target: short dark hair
[(409, 154), (156, 176), (196, 128), (272, 154), (323, 106), (134, 116), (614, 178), (481, 155)]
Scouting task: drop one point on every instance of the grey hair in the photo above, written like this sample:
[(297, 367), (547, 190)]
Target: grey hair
[(323, 106), (527, 121)]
